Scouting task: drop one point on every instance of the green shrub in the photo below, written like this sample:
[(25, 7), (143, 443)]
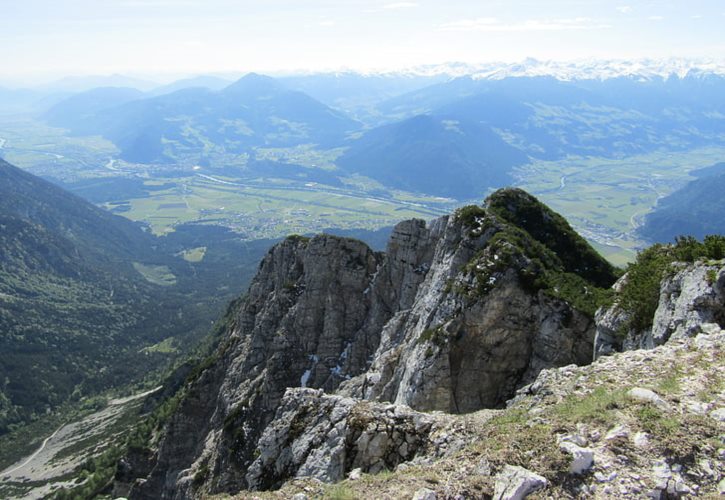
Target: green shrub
[(711, 276), (538, 268), (540, 246), (435, 336), (552, 231), (298, 238), (201, 475), (98, 474), (469, 214)]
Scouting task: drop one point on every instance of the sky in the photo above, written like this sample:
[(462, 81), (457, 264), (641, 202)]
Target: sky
[(163, 38)]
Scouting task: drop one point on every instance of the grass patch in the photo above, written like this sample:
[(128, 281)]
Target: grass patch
[(193, 254), (671, 383), (712, 389), (158, 275), (166, 346), (516, 416), (655, 422), (340, 492), (598, 406), (298, 238), (681, 437), (435, 335), (711, 276), (511, 439)]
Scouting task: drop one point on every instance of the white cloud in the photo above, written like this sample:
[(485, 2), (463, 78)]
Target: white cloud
[(327, 22), (655, 18), (625, 9), (696, 16), (494, 24), (400, 5), (470, 24)]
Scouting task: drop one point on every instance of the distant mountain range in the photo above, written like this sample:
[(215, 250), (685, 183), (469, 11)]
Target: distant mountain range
[(356, 93), (549, 118), (203, 81), (503, 123), (189, 123), (534, 110), (581, 69), (88, 82), (14, 101), (78, 111)]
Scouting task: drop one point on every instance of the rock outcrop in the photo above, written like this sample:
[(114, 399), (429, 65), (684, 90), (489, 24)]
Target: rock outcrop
[(691, 300), (453, 317), (515, 483), (324, 436)]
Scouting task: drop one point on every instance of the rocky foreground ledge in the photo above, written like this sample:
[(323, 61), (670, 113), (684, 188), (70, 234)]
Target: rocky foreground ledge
[(640, 424)]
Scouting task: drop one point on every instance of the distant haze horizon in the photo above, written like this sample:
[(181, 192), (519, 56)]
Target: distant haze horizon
[(147, 80), (43, 39)]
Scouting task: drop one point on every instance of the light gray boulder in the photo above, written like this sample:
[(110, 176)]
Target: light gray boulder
[(516, 483)]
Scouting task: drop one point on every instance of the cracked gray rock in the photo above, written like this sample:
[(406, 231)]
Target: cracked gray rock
[(516, 483), (325, 436)]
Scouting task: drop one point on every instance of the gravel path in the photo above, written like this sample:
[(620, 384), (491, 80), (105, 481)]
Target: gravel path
[(65, 449)]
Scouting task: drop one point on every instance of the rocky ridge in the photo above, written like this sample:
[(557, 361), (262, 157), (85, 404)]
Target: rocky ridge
[(453, 317)]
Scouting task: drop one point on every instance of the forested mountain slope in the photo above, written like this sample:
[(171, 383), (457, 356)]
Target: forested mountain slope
[(83, 293)]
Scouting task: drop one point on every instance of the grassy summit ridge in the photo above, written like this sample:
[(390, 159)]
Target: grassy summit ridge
[(540, 246)]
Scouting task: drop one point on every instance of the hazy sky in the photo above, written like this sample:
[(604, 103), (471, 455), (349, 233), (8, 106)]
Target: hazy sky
[(56, 37)]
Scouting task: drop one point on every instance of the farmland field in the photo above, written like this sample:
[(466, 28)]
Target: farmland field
[(266, 210), (604, 199)]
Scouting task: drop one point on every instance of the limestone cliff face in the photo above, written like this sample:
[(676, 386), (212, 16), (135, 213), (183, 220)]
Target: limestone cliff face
[(454, 350), (690, 299), (444, 320)]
